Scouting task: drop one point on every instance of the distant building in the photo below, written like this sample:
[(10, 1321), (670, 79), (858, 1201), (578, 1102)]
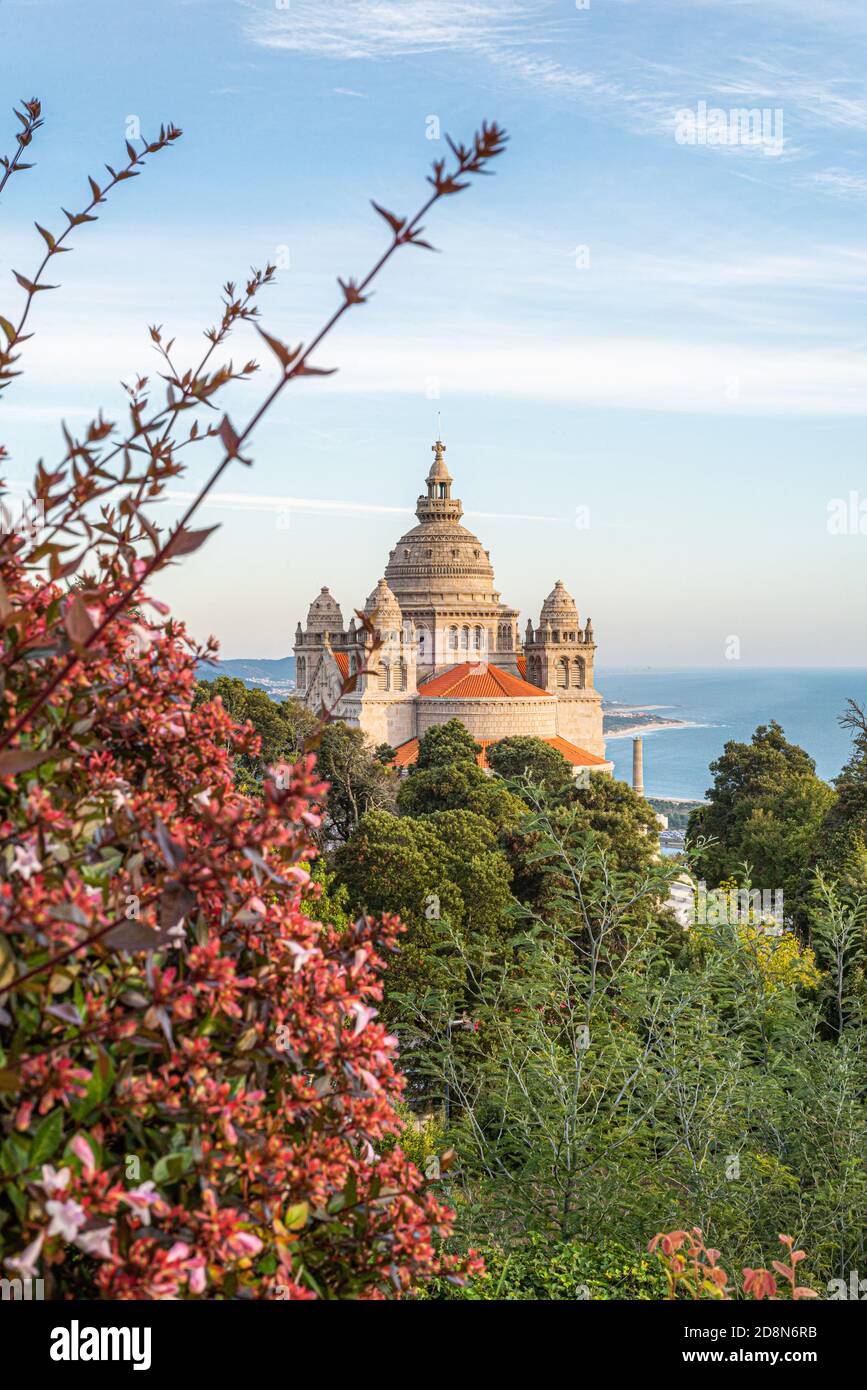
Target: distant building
[(452, 649)]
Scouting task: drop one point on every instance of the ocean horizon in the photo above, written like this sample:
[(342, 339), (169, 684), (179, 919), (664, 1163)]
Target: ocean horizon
[(720, 704)]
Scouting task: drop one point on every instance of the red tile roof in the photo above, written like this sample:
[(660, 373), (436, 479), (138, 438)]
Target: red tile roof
[(476, 681), (522, 667), (342, 659), (578, 757), (407, 754)]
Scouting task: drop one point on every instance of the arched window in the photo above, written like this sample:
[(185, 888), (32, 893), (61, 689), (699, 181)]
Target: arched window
[(353, 664), (579, 672), (402, 675), (478, 639), (383, 679), (465, 639), (562, 673), (453, 638), (302, 673)]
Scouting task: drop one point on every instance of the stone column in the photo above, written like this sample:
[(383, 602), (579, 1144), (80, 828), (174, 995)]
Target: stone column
[(638, 766)]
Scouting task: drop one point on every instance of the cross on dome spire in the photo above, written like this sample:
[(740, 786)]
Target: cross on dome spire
[(439, 482)]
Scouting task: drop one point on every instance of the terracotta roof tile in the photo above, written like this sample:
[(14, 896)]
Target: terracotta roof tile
[(474, 681), (342, 659), (407, 754), (522, 667)]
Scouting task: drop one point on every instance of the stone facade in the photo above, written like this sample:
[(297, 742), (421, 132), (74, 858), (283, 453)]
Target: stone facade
[(437, 612)]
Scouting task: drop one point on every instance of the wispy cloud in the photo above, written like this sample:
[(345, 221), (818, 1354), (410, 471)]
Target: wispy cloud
[(841, 183), (356, 29)]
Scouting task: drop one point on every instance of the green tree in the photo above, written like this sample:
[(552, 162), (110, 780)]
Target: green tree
[(452, 786), (765, 810), (603, 1082), (446, 743), (281, 725), (842, 837), (532, 758), (358, 781), (444, 867), (623, 827)]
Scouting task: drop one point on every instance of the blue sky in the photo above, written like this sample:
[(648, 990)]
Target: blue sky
[(671, 336)]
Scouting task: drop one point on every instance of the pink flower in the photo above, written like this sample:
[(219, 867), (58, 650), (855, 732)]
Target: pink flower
[(243, 1243), (84, 1153), (141, 1199)]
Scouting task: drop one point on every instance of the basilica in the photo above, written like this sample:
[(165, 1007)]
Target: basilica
[(450, 648)]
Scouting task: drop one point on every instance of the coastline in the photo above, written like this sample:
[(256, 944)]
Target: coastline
[(633, 730)]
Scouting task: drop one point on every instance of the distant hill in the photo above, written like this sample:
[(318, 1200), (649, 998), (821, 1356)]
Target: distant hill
[(275, 677)]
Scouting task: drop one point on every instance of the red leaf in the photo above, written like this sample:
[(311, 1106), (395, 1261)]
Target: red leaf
[(46, 236), (77, 621), (229, 437), (396, 223), (184, 542), (15, 760), (280, 350)]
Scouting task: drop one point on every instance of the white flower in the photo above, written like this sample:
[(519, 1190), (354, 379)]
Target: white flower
[(52, 1180), (96, 1242), (66, 1218), (25, 1263), (363, 1015), (26, 862), (302, 955)]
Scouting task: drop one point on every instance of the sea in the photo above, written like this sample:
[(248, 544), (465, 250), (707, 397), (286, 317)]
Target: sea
[(722, 704)]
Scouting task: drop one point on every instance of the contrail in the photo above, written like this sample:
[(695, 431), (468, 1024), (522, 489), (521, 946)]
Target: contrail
[(260, 502)]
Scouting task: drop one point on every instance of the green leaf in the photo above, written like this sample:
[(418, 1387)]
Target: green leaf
[(47, 1138), (171, 1167), (295, 1217)]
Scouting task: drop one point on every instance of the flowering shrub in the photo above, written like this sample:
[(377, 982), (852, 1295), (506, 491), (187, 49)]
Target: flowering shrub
[(194, 1085), (771, 953), (693, 1270), (194, 1079)]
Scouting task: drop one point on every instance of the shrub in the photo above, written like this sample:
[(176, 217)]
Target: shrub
[(542, 1270)]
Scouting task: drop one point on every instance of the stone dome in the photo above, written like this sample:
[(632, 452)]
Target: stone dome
[(439, 562), (384, 610), (559, 608), (324, 613)]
